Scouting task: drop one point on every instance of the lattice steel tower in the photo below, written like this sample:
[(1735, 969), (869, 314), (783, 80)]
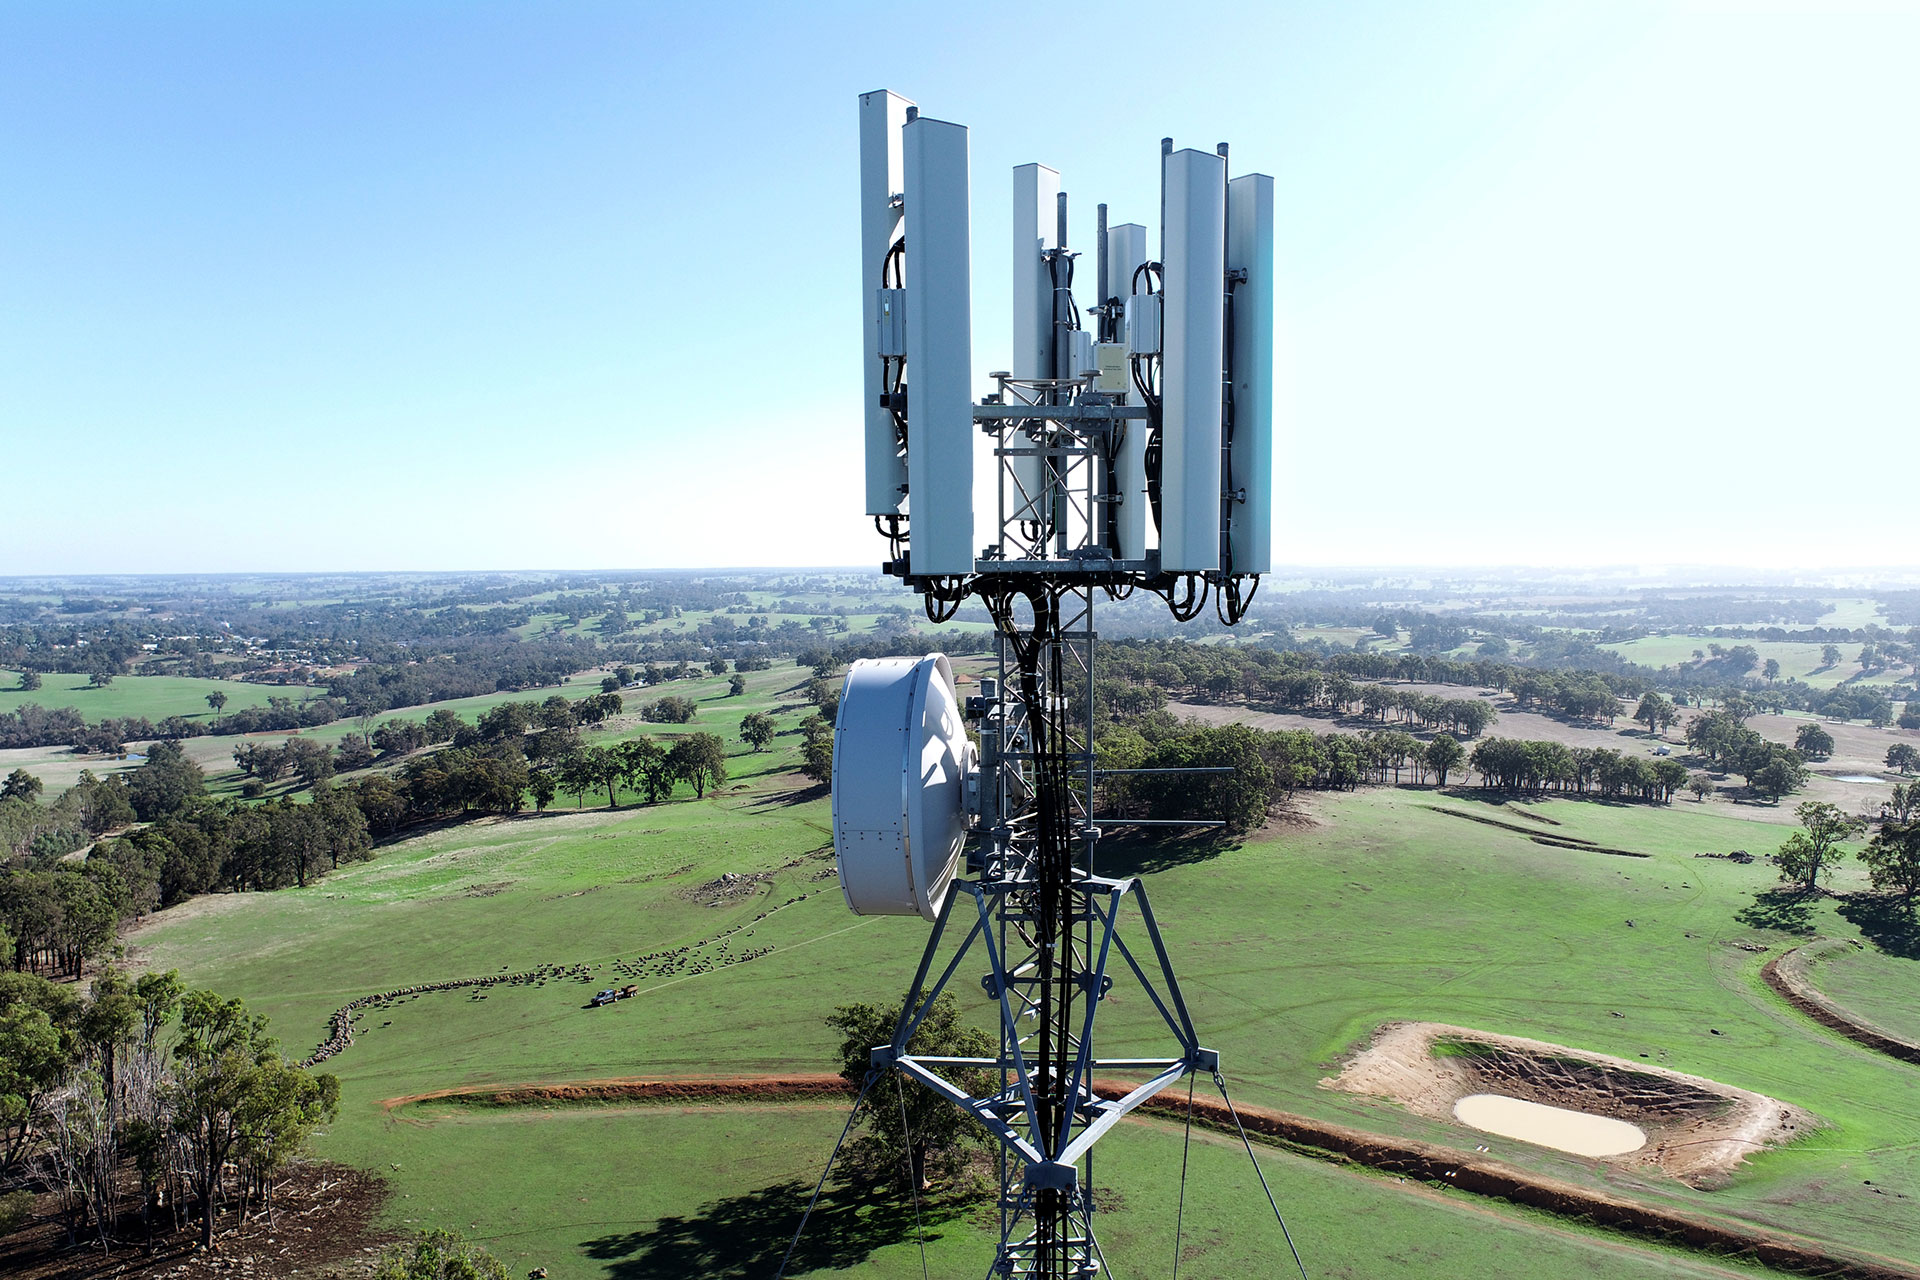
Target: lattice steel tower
[(1131, 450)]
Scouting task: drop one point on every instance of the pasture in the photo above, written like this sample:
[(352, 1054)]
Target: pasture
[(58, 767), (1798, 659), (155, 697), (1293, 947)]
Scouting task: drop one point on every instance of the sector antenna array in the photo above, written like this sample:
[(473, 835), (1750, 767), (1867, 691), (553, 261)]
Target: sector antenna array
[(1126, 447)]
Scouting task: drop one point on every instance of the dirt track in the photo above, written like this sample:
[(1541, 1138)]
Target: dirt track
[(1787, 974), (633, 1089), (1318, 1138)]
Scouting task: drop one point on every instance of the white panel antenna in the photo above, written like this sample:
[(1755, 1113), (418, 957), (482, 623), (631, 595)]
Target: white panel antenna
[(882, 179), (1193, 323), (939, 349), (1250, 358), (1036, 196), (1126, 257)]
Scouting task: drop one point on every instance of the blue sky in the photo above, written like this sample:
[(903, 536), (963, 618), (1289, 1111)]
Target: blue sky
[(423, 286)]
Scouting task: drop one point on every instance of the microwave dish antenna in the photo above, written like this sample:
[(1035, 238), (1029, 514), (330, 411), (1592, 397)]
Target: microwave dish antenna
[(901, 765), (1132, 447)]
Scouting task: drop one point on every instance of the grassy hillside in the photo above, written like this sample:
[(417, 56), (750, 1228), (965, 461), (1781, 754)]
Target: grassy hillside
[(1292, 947), (154, 697), (1799, 660)]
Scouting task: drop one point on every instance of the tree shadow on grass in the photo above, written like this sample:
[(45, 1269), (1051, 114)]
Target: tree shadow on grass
[(747, 1235), (1789, 909), (788, 799), (1142, 851), (1886, 921)]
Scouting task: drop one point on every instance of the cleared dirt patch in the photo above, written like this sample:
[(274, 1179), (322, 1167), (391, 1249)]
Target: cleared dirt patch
[(325, 1222), (1697, 1130), (731, 887)]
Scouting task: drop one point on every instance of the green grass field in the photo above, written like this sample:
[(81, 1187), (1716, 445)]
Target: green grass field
[(1292, 948), (1798, 660), (741, 1175), (155, 697), (1882, 989), (58, 767)]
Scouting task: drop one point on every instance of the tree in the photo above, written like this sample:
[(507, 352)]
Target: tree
[(1771, 670), (717, 665), (610, 684), (439, 1255), (1443, 756), (757, 730), (700, 758), (942, 1134), (21, 785), (1910, 714), (816, 754), (1902, 805), (1829, 655), (99, 679), (647, 767), (217, 701), (1653, 710), (1814, 850), (157, 995), (670, 710), (227, 1076), (442, 725), (34, 1053), (1904, 757), (167, 783), (543, 785), (606, 770), (1813, 742), (1892, 859), (29, 681), (736, 685), (1669, 776), (282, 1107), (1701, 786), (577, 776), (312, 762), (354, 751), (1780, 776)]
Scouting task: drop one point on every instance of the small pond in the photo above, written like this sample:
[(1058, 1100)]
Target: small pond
[(1556, 1127), (1854, 777)]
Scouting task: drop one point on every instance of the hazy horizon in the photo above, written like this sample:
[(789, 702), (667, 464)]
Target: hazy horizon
[(1284, 576)]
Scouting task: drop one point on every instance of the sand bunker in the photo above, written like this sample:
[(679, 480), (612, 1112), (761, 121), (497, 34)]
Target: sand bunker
[(1695, 1129), (1556, 1127)]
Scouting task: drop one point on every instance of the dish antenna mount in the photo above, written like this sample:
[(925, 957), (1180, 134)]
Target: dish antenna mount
[(1131, 450)]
